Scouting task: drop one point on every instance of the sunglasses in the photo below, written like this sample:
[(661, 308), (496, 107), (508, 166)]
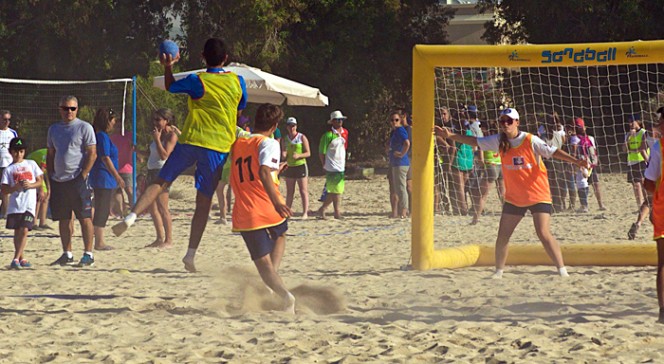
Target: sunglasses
[(338, 119), (506, 121), (395, 120), (68, 108)]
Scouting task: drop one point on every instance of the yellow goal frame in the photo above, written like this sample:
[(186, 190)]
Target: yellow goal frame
[(425, 59)]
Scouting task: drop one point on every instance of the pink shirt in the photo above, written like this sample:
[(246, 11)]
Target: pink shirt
[(124, 145)]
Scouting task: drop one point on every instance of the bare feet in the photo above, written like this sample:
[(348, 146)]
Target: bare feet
[(165, 245), (155, 244), (305, 216), (189, 264), (102, 247), (321, 213)]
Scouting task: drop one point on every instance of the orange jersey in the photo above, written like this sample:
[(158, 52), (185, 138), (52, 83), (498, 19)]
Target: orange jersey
[(657, 215), (524, 173), (253, 209)]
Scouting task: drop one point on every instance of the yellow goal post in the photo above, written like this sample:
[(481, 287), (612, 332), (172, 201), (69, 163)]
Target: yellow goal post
[(426, 58)]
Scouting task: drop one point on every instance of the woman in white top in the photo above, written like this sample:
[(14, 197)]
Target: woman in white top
[(164, 138)]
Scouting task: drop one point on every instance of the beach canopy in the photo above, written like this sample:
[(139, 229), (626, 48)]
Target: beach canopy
[(264, 87)]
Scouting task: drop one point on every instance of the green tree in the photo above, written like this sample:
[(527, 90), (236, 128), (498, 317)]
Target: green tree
[(255, 30), (95, 39), (574, 21)]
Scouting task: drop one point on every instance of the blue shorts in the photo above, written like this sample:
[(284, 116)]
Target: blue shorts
[(209, 164), (261, 242)]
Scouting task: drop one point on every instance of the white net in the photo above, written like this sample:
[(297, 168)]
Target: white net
[(34, 104), (548, 99)]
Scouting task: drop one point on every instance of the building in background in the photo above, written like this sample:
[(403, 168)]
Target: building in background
[(467, 25)]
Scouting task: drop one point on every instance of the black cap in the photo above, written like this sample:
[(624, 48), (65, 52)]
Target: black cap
[(17, 144)]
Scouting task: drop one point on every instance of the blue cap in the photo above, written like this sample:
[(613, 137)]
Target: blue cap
[(472, 108), (634, 117)]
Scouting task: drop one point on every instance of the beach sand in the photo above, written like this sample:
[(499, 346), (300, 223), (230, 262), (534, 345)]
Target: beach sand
[(354, 303)]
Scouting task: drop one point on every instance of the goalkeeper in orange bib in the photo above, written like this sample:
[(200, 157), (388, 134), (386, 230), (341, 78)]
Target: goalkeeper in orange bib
[(526, 183), (260, 213), (653, 184)]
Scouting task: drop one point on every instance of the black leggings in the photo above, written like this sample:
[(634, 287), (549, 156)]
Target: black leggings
[(103, 198)]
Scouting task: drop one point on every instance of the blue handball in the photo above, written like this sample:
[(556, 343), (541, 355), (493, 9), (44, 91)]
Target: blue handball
[(169, 47)]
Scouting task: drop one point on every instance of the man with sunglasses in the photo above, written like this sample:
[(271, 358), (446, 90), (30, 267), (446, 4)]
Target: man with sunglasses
[(72, 150), (6, 135)]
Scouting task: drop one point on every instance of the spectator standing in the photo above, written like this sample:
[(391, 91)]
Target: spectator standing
[(637, 156), (104, 176), (399, 164), (72, 151), (164, 139), (39, 156), (6, 135), (125, 147), (296, 150), (21, 180), (332, 154), (587, 149)]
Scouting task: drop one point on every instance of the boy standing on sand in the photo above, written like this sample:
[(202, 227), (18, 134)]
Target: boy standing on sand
[(216, 97), (260, 213), (20, 180), (653, 184)]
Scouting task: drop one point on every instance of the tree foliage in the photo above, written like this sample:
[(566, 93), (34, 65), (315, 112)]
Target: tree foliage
[(358, 52), (92, 39), (574, 21)]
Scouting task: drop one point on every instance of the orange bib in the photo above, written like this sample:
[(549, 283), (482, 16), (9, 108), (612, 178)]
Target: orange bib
[(253, 209), (524, 173)]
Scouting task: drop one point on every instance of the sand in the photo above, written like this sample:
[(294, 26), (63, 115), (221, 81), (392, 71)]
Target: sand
[(354, 303)]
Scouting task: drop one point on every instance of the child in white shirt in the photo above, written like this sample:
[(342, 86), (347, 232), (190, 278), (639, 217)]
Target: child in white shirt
[(581, 178), (21, 180)]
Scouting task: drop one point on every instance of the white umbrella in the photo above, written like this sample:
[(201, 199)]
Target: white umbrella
[(263, 87)]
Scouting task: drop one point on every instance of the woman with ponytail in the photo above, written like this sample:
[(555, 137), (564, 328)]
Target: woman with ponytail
[(526, 183)]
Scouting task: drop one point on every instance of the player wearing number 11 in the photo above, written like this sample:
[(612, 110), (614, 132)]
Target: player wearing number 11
[(260, 213)]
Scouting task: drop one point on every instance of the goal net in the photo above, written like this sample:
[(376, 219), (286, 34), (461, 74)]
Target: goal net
[(33, 104), (563, 93)]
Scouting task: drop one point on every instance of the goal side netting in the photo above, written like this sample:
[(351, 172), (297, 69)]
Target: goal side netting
[(33, 105)]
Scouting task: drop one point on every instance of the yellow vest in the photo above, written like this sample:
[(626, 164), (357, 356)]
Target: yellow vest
[(212, 118), (633, 145)]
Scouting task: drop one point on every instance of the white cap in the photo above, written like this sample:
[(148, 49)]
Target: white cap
[(512, 113), (336, 115), (291, 120)]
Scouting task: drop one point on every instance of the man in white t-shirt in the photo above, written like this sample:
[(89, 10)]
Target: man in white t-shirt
[(332, 154), (6, 135)]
